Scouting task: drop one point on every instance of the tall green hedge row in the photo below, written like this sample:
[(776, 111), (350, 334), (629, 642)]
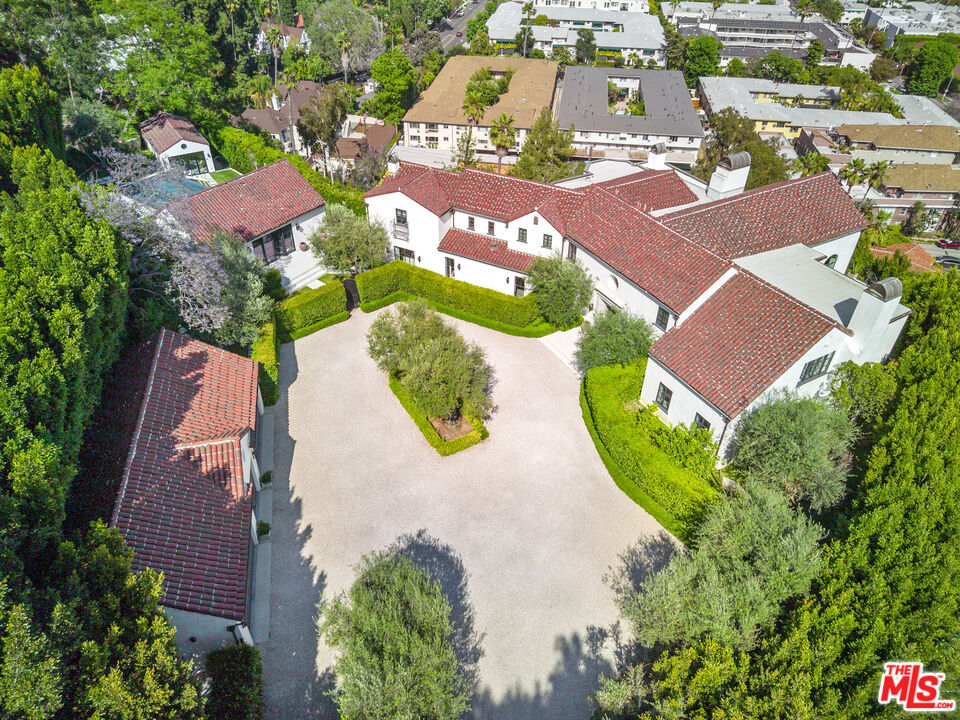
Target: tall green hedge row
[(236, 683), (385, 280), (264, 351), (309, 307), (624, 434), (245, 152)]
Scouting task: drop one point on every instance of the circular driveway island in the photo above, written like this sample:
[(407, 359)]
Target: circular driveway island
[(519, 530)]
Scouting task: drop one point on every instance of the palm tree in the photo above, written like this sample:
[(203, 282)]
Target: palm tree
[(810, 164), (876, 173), (275, 40), (853, 173), (502, 135), (232, 6), (259, 90), (528, 15), (289, 81), (344, 42), (473, 107)]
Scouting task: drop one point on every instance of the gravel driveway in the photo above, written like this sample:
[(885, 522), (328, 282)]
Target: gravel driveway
[(519, 529)]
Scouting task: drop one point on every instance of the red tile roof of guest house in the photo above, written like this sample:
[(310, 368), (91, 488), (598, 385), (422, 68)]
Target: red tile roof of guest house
[(164, 130)]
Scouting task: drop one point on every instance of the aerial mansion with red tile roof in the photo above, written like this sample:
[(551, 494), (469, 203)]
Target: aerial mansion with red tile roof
[(746, 289)]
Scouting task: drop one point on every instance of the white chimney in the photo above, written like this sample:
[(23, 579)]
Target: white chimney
[(730, 177), (657, 157), (874, 311)]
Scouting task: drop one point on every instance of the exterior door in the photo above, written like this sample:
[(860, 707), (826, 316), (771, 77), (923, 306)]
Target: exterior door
[(519, 286), (449, 266), (407, 256)]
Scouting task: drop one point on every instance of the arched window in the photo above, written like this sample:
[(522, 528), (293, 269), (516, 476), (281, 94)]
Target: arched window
[(614, 283), (831, 261)]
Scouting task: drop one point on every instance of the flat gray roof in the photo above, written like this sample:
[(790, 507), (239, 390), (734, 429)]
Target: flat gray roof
[(669, 111)]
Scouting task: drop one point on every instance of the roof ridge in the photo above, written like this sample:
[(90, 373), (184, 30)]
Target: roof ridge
[(224, 439), (511, 178), (131, 453), (753, 192), (246, 175)]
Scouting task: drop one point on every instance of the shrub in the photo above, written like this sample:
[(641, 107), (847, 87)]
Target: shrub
[(625, 435), (691, 448), (443, 447), (236, 683), (266, 478), (349, 243), (273, 284), (245, 151), (263, 528), (562, 288), (309, 307), (264, 351), (381, 282), (614, 338), (797, 444)]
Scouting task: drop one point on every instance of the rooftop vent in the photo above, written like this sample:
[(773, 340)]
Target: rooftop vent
[(887, 289)]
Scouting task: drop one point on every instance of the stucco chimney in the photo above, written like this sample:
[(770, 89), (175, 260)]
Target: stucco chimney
[(875, 308), (657, 157), (730, 177)]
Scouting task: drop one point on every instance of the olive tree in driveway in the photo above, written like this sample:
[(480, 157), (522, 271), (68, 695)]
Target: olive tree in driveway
[(613, 338), (445, 374), (563, 288), (392, 634), (347, 243)]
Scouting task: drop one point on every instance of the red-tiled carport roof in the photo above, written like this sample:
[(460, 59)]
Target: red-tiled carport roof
[(744, 337), (182, 505), (253, 204), (486, 249), (809, 211), (164, 130)]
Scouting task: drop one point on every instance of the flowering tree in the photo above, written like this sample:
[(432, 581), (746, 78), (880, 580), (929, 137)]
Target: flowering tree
[(165, 261)]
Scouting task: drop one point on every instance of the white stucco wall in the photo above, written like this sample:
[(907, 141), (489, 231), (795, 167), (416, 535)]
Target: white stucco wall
[(300, 267), (185, 147), (842, 247)]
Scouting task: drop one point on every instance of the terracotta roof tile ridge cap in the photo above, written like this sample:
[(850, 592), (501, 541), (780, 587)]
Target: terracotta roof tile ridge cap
[(796, 301), (136, 434), (746, 193), (551, 186)]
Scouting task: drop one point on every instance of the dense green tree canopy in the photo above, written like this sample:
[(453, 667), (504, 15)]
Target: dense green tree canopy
[(563, 288), (931, 67), (30, 110), (613, 338), (779, 68), (348, 243), (397, 86), (732, 133), (701, 59), (547, 151)]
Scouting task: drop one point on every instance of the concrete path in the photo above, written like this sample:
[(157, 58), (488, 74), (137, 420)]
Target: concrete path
[(519, 530)]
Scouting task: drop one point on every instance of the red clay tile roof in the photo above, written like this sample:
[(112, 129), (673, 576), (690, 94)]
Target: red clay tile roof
[(809, 211), (376, 137), (744, 337), (182, 505), (294, 33), (164, 130), (650, 190), (486, 249), (920, 259), (253, 204)]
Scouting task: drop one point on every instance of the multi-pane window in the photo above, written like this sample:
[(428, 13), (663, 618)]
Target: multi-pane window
[(816, 368), (548, 241), (662, 317), (519, 286), (699, 421), (664, 396), (522, 235), (572, 251), (489, 227), (470, 223), (401, 217), (536, 220)]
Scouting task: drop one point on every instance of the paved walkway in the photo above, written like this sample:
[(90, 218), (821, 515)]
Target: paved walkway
[(519, 529)]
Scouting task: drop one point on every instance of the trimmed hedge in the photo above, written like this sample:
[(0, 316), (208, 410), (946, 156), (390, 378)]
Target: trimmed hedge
[(310, 329), (309, 307), (377, 284), (443, 447), (624, 434), (236, 683), (264, 351), (245, 151)]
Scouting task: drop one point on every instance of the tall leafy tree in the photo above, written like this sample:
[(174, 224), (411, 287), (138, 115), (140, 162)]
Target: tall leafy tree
[(392, 635), (247, 306), (732, 133), (563, 288), (546, 152), (586, 47), (321, 121), (397, 86), (346, 35), (930, 68), (30, 111), (701, 59), (778, 67), (348, 243)]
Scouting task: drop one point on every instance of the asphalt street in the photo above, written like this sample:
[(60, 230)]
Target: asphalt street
[(451, 26)]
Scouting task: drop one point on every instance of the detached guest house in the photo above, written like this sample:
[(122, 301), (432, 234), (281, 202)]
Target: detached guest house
[(173, 139)]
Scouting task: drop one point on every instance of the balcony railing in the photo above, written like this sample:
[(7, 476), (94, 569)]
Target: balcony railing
[(401, 232)]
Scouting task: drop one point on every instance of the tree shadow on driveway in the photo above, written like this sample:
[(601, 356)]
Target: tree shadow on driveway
[(443, 564)]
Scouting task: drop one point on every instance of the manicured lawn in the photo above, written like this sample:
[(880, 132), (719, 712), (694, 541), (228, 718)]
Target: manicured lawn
[(221, 176)]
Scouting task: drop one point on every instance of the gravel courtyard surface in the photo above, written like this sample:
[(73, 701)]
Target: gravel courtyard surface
[(519, 530)]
